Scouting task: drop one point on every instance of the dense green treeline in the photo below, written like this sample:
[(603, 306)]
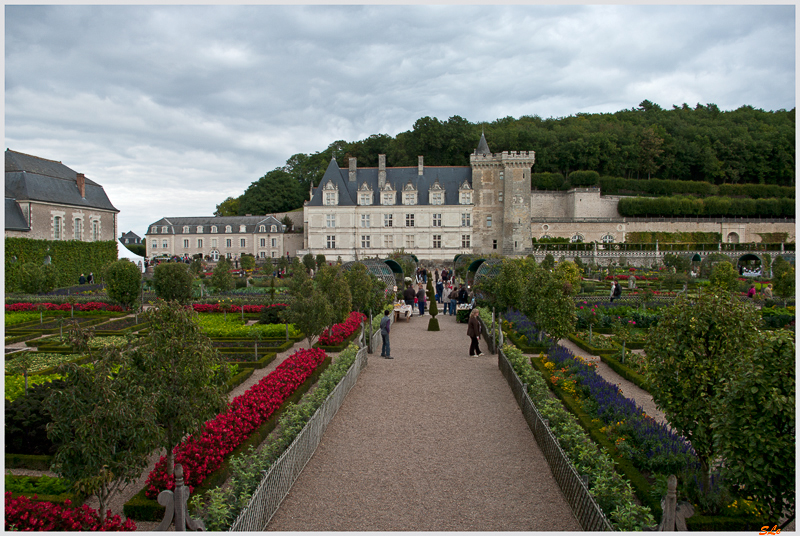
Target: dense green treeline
[(701, 143), (715, 206)]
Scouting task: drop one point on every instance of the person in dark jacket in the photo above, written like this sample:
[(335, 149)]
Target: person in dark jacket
[(409, 295), (474, 333), (463, 296), (421, 299), (82, 280)]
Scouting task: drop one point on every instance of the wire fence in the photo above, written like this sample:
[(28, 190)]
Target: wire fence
[(282, 474), (575, 489)]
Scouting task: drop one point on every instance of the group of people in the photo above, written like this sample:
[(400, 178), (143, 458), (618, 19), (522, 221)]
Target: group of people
[(83, 280), (447, 294), (421, 275), (766, 291)]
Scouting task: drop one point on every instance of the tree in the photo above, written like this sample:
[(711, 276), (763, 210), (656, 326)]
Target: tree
[(248, 261), (182, 370), (229, 207), (221, 278), (724, 276), (366, 290), (331, 283), (123, 282), (267, 267), (320, 260), (309, 310), (568, 272), (105, 425), (277, 191), (760, 403), (433, 323), (548, 301), (681, 263), (689, 356), (173, 282), (283, 264), (308, 261), (548, 262), (784, 283)]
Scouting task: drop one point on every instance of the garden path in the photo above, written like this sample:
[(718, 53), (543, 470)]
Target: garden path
[(628, 388), (430, 440)]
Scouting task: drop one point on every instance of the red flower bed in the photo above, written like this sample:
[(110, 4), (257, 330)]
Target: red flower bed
[(203, 453), (24, 514), (214, 308), (339, 332), (90, 306)]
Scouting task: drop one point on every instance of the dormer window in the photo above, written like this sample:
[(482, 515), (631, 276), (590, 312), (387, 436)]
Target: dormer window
[(262, 228), (465, 194), (186, 229), (387, 198), (164, 229), (409, 194), (228, 229), (273, 229), (364, 194), (199, 228), (331, 197), (242, 228), (436, 194), (213, 228), (153, 230)]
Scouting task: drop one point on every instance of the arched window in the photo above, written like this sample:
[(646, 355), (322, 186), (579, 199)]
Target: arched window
[(607, 239), (262, 228), (227, 228), (733, 238), (242, 228), (577, 237), (185, 228), (213, 228), (164, 229), (273, 229), (199, 228), (545, 237)]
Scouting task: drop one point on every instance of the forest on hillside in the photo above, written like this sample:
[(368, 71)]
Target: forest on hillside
[(701, 143)]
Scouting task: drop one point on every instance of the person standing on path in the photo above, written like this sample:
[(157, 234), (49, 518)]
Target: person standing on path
[(421, 299), (409, 295), (446, 298), (474, 333), (453, 300), (386, 326)]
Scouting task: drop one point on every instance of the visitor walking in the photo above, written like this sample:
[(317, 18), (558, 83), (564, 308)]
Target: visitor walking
[(439, 289), (453, 300), (752, 292), (474, 333), (90, 279), (386, 326), (421, 299), (82, 280)]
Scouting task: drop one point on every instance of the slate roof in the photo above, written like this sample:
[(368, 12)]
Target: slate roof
[(450, 179), (15, 219), (30, 178), (175, 224)]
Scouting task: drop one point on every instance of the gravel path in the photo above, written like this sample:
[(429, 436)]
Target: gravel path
[(431, 440)]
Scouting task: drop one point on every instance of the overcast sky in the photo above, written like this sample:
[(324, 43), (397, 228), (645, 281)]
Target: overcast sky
[(174, 108)]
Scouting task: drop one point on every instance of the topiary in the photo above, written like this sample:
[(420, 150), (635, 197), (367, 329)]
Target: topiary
[(27, 420), (272, 315)]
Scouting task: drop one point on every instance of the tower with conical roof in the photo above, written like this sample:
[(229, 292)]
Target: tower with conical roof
[(502, 205)]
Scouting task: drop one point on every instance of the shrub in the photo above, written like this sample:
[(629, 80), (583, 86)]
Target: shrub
[(123, 282), (173, 282), (584, 178), (27, 420), (272, 315), (221, 279)]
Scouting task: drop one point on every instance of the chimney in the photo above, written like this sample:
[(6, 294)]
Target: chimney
[(82, 185), (381, 170), (419, 165), (352, 170)]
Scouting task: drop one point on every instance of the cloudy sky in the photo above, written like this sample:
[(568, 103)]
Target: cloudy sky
[(174, 108)]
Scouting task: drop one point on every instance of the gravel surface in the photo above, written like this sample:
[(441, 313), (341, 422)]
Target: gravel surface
[(431, 440)]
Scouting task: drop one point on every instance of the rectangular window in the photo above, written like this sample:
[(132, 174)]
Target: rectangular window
[(388, 241), (500, 196), (164, 244), (437, 220), (365, 220), (409, 220), (186, 243), (155, 244), (410, 199), (228, 242), (330, 198), (95, 230), (494, 244), (365, 241), (263, 242), (437, 241), (409, 241), (274, 242), (213, 242), (78, 223), (488, 221), (200, 242), (330, 220), (436, 198), (466, 219), (243, 242), (387, 220), (388, 198), (331, 242), (57, 227), (465, 241), (263, 254), (466, 198), (273, 254), (365, 198)]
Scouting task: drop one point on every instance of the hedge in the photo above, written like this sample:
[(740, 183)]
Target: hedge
[(70, 258), (715, 206)]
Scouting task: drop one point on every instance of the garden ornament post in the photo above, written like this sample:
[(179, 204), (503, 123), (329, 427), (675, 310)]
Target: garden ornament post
[(175, 503)]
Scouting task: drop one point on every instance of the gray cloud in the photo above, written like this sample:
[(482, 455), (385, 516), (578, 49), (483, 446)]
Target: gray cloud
[(173, 108)]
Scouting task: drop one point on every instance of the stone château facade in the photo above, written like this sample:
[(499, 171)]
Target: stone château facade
[(487, 207)]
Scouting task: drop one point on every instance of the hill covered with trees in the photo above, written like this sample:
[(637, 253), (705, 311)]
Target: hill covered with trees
[(700, 144)]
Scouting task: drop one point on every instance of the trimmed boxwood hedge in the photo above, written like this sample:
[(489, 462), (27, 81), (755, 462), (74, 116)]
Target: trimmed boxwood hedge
[(252, 365), (625, 371), (583, 345), (76, 497), (141, 508), (34, 462)]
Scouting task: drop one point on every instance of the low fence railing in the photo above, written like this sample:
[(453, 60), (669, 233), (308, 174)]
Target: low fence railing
[(280, 477), (575, 490)]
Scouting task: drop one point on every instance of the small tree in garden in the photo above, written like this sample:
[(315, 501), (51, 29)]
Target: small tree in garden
[(183, 372), (724, 276), (248, 261), (320, 260), (366, 290), (267, 267), (681, 263), (433, 323), (308, 261), (784, 283), (105, 424), (548, 300), (710, 261), (689, 356), (31, 278), (173, 282), (309, 311), (123, 282), (221, 278), (196, 267), (283, 264), (331, 282), (760, 401), (21, 364), (548, 262)]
